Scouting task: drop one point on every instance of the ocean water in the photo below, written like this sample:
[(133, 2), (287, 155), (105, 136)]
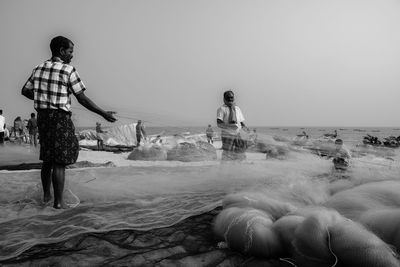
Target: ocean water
[(352, 135), (147, 195)]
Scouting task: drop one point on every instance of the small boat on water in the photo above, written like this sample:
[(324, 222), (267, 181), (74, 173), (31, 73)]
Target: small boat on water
[(391, 141), (371, 140)]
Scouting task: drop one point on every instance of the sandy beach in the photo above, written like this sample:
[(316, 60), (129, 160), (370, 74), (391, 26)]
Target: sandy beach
[(165, 213)]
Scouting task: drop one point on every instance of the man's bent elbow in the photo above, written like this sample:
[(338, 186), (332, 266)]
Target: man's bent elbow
[(27, 93), (81, 97)]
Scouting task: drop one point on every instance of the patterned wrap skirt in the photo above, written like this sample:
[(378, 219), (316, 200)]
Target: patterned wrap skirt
[(233, 147), (58, 143)]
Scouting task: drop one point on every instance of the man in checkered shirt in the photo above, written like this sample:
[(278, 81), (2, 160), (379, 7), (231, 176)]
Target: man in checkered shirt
[(50, 87)]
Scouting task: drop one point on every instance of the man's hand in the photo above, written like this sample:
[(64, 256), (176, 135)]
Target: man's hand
[(108, 115)]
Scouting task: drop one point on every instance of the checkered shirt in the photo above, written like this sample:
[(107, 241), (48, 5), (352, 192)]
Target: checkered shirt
[(52, 83)]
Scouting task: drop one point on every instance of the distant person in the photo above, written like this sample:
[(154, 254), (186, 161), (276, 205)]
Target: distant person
[(99, 136), (25, 136), (140, 132), (50, 87), (254, 136), (2, 127), (341, 155), (33, 130), (18, 129), (231, 120), (210, 134)]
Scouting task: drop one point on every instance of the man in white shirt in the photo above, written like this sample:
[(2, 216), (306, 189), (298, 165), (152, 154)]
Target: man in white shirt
[(231, 120), (2, 127), (341, 156)]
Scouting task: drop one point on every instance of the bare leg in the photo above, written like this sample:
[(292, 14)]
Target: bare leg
[(46, 180), (58, 186), (35, 139)]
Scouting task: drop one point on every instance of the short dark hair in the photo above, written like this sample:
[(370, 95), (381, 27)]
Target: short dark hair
[(227, 93), (59, 42)]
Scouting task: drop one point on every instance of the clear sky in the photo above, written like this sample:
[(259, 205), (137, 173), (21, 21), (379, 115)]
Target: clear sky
[(290, 62)]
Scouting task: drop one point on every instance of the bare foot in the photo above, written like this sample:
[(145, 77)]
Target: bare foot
[(60, 206), (46, 199)]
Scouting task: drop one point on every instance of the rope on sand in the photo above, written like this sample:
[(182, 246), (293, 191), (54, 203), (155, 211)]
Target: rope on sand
[(90, 180), (287, 260), (75, 196), (330, 249)]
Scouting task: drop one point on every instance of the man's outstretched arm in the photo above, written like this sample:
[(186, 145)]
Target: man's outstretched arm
[(90, 105), (244, 126)]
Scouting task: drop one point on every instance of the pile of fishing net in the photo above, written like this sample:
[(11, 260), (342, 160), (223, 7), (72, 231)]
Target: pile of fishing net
[(272, 147), (322, 147), (148, 153), (188, 152), (369, 150), (354, 227)]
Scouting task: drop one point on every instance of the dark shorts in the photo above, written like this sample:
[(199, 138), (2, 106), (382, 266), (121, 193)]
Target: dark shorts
[(1, 137), (58, 143), (33, 131)]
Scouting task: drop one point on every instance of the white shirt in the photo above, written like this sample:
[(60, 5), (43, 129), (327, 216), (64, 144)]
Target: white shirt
[(2, 122), (223, 115)]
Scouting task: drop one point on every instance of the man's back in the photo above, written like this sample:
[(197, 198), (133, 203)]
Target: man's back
[(32, 124), (52, 82), (140, 129)]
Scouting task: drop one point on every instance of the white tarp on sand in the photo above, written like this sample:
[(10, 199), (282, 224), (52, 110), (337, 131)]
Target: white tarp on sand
[(123, 135)]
